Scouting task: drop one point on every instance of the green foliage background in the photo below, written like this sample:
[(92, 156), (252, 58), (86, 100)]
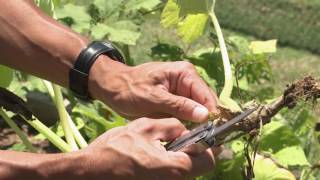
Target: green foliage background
[(288, 144), (293, 22)]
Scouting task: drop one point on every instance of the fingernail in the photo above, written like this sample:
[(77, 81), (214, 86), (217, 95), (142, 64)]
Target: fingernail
[(200, 113)]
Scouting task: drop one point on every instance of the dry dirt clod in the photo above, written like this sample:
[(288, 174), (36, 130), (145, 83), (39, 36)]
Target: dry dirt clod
[(307, 89)]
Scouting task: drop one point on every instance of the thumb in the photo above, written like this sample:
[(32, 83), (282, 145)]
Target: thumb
[(183, 108)]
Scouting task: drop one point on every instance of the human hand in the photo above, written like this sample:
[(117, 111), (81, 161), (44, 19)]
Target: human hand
[(135, 152), (152, 89)]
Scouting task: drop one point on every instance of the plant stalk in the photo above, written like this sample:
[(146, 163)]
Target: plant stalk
[(225, 96), (63, 115), (18, 131), (77, 135), (49, 134)]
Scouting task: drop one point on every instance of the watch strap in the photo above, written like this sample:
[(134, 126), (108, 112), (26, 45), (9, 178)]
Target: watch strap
[(79, 74)]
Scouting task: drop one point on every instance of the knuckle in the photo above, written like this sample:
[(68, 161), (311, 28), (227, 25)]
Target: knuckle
[(180, 104), (147, 128), (175, 123)]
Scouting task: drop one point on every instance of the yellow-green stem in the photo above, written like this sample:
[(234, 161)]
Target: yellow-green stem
[(49, 134), (63, 115), (225, 96), (17, 130), (77, 135)]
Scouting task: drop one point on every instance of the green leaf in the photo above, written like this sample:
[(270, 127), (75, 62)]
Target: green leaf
[(124, 32), (20, 147), (99, 31), (142, 4), (237, 146), (292, 156), (230, 169), (81, 19), (109, 8), (6, 76), (211, 62), (190, 17), (166, 52), (282, 142), (170, 15), (192, 27), (259, 47), (92, 114), (266, 169)]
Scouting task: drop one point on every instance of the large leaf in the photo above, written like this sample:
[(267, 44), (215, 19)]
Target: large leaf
[(266, 169), (192, 27), (189, 16), (292, 156), (6, 76), (81, 19), (259, 47), (108, 8), (285, 146), (124, 32)]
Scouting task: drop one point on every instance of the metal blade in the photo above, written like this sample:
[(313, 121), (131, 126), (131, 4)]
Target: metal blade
[(192, 137), (221, 129)]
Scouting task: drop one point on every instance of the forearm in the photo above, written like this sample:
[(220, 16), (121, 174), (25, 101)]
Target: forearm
[(80, 165), (35, 43), (19, 165)]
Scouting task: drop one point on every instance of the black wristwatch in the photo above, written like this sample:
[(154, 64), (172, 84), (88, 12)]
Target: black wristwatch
[(79, 74)]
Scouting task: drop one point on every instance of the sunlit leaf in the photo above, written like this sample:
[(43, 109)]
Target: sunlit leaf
[(266, 169), (192, 27), (259, 47), (292, 156), (282, 142), (188, 16)]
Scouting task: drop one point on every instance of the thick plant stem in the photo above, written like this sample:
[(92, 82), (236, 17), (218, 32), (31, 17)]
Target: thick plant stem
[(63, 115), (228, 78), (77, 135), (49, 134), (17, 130)]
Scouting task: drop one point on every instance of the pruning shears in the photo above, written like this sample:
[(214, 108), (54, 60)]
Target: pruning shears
[(206, 135)]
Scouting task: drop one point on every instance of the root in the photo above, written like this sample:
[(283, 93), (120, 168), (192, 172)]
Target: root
[(306, 89)]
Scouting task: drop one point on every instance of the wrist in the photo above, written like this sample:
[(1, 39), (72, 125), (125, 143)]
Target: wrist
[(102, 76), (62, 166)]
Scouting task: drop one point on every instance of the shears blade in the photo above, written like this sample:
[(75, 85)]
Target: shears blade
[(206, 133)]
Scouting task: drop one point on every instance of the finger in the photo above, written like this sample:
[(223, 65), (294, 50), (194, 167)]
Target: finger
[(192, 86), (203, 163), (181, 107), (193, 166), (158, 129)]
